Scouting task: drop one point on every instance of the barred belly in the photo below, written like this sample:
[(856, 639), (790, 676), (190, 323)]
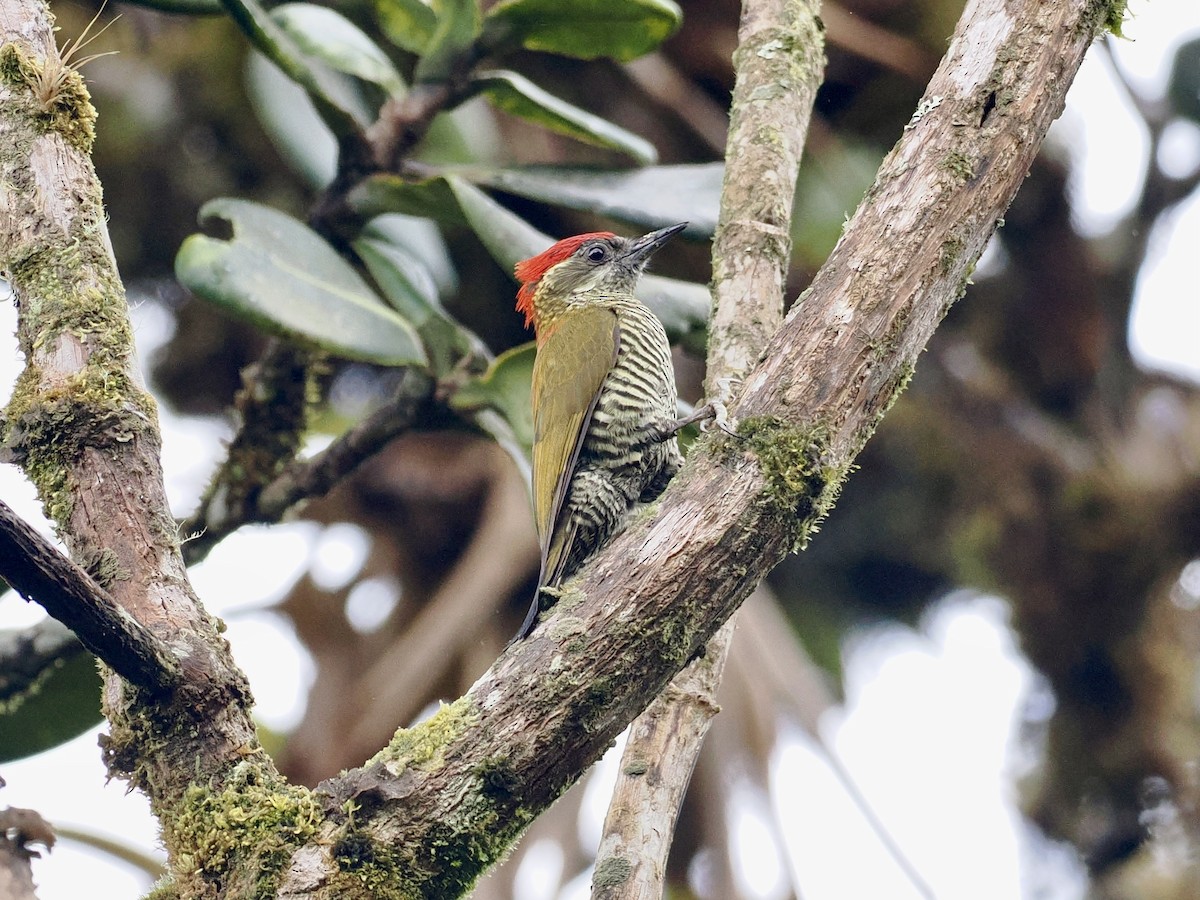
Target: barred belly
[(619, 463)]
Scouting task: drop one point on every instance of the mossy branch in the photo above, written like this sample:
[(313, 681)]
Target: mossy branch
[(649, 602), (85, 431), (446, 800), (778, 64)]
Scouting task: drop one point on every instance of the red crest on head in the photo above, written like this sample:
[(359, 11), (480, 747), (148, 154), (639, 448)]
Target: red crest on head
[(530, 271)]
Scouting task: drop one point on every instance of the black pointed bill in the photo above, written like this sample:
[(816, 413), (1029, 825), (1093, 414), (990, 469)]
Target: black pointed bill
[(640, 249)]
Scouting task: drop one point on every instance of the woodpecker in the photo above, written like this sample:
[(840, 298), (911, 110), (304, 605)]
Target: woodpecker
[(604, 398)]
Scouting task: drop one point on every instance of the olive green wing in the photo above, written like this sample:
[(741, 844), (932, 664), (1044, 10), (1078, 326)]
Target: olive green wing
[(571, 365)]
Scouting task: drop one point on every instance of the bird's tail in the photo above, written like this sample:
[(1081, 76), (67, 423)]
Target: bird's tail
[(554, 569)]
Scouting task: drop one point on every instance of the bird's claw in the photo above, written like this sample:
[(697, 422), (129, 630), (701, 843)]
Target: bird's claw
[(719, 419), (719, 416)]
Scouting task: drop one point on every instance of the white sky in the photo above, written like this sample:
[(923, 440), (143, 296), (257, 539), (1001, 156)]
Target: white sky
[(927, 730)]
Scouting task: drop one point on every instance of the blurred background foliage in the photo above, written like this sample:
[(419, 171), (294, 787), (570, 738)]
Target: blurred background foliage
[(1030, 457)]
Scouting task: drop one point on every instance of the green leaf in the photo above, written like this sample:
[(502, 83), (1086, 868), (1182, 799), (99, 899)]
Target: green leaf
[(422, 238), (326, 35), (431, 199), (409, 24), (334, 93), (584, 29), (65, 704), (504, 387), (280, 275), (506, 236), (519, 96), (1183, 88), (457, 28), (406, 284), (650, 197), (682, 306), (409, 286), (291, 121)]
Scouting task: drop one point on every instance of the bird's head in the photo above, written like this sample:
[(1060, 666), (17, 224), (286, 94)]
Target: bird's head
[(575, 266)]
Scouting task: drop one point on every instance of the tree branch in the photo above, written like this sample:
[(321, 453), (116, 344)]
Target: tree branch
[(272, 412), (445, 800), (305, 479), (41, 574), (779, 62), (85, 431), (449, 796)]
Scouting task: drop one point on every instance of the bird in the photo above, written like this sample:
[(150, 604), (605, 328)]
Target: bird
[(604, 399)]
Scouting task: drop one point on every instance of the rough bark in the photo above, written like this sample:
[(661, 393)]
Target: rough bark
[(84, 429), (552, 704), (779, 61), (40, 573), (444, 801)]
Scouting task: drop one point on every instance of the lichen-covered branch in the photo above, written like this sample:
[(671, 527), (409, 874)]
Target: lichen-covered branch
[(85, 430), (452, 795), (40, 573), (445, 800), (778, 63)]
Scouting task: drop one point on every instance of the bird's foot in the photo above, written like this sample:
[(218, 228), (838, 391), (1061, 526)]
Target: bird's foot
[(718, 417), (714, 413)]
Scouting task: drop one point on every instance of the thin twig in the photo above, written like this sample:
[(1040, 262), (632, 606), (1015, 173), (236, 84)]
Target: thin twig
[(272, 411), (305, 479), (313, 477), (26, 656)]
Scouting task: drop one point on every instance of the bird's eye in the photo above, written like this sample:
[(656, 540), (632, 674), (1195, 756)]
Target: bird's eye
[(597, 254)]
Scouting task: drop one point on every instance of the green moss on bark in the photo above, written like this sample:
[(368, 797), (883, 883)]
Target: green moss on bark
[(801, 486), (1105, 15), (73, 312), (57, 98), (252, 823), (959, 165), (455, 850), (422, 746), (50, 421)]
